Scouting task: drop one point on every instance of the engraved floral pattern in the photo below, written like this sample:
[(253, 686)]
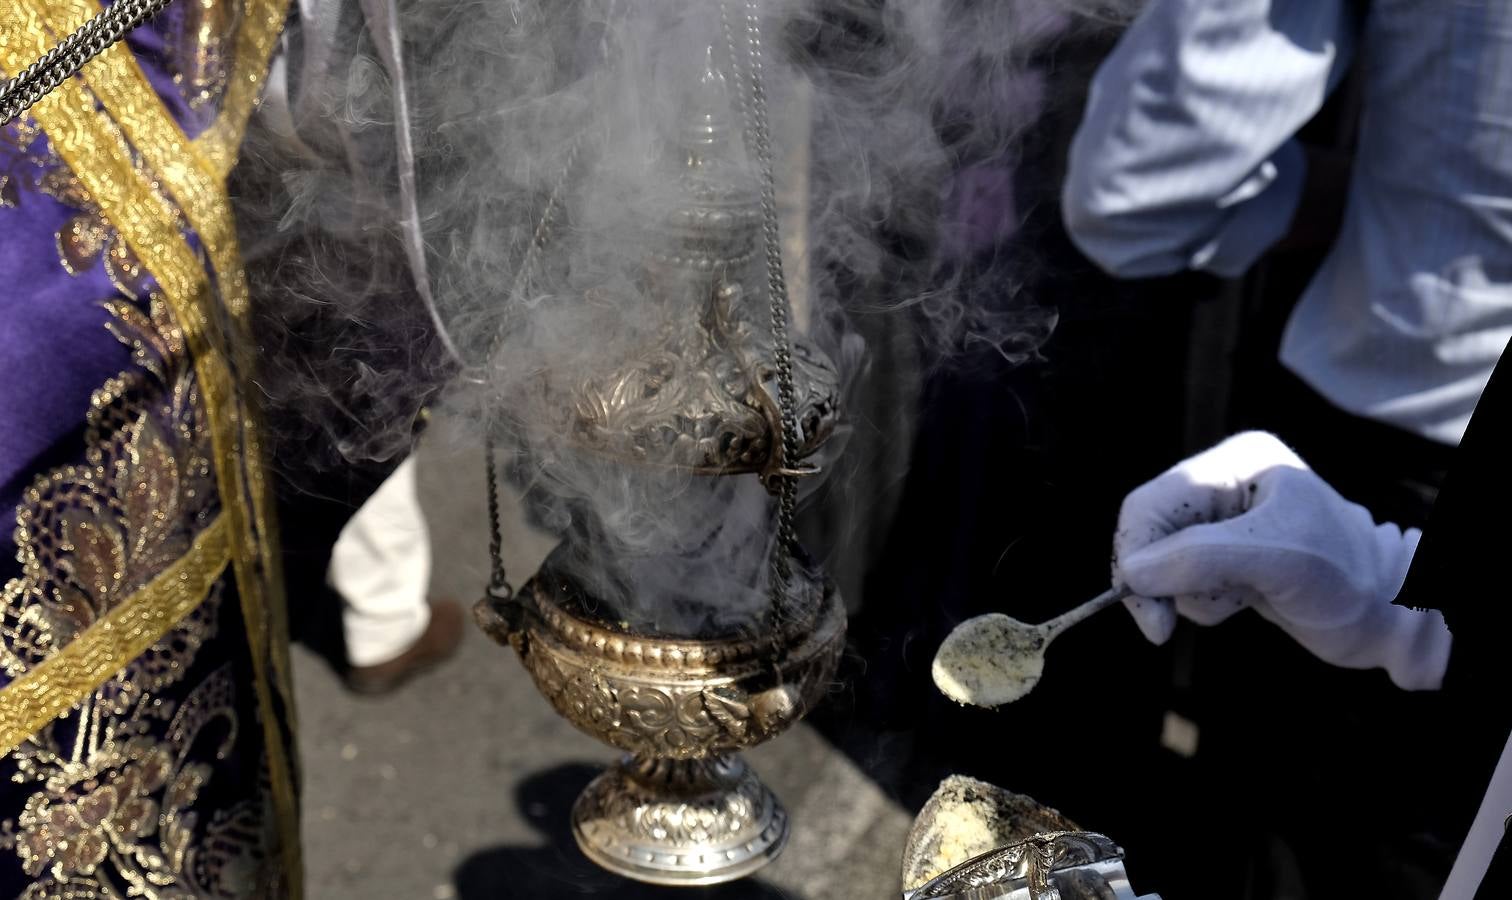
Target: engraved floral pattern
[(1030, 861), (86, 239), (683, 718), (90, 535), (680, 813)]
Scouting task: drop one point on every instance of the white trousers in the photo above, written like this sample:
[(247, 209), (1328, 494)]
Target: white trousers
[(381, 568)]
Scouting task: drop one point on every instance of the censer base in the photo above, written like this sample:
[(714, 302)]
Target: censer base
[(680, 822)]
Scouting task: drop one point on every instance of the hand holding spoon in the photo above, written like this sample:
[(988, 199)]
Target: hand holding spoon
[(995, 659)]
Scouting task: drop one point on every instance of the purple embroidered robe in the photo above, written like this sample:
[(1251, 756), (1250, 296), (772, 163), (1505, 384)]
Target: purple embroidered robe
[(144, 749)]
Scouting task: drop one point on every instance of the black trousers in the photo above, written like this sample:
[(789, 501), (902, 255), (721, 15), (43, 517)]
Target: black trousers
[(1326, 782), (1393, 473)]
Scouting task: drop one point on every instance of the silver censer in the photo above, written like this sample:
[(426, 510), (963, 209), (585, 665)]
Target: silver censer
[(723, 391)]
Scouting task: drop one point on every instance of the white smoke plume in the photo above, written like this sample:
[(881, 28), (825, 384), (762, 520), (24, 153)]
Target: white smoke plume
[(536, 133)]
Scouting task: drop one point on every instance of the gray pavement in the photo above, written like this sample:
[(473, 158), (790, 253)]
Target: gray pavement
[(459, 785)]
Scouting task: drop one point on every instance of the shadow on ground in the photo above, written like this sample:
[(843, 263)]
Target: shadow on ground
[(556, 868)]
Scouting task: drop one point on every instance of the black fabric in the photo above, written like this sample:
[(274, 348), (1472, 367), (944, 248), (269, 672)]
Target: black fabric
[(1393, 473), (1497, 885), (1458, 570), (1470, 529)]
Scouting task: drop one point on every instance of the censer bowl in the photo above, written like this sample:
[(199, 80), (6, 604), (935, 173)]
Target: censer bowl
[(681, 808)]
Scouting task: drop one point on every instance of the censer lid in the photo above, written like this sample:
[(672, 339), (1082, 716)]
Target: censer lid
[(700, 392)]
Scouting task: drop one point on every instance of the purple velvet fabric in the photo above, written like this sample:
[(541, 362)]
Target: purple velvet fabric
[(54, 348), (153, 45)]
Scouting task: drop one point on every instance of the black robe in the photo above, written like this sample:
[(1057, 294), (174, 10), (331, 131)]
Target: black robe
[(1460, 569)]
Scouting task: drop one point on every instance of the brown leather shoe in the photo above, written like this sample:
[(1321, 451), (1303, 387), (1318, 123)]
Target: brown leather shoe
[(438, 641)]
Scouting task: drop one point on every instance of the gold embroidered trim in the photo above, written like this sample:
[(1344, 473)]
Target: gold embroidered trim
[(64, 679), (118, 81), (84, 140), (262, 22), (122, 87), (93, 150), (260, 27)]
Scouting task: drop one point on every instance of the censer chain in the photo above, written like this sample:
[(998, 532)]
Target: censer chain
[(61, 62), (758, 139), (498, 579)]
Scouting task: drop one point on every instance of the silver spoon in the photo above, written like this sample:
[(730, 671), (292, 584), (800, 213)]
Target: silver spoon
[(995, 659)]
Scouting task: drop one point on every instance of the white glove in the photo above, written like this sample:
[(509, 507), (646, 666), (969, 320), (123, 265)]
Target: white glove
[(1248, 524)]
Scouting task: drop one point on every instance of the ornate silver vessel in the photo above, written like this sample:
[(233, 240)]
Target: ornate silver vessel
[(718, 389), (681, 807), (1065, 865), (976, 841)]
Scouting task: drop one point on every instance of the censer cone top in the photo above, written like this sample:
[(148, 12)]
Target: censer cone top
[(700, 392)]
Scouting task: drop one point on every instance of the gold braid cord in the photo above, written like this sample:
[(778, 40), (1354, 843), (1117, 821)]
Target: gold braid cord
[(65, 678)]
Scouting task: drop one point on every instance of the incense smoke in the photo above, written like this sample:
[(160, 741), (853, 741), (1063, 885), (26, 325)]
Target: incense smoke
[(535, 133)]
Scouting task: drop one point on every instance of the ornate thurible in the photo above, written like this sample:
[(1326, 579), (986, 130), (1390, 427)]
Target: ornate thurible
[(720, 389), (681, 808)]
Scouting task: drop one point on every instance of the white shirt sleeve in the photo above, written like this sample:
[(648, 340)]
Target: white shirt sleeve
[(1185, 157)]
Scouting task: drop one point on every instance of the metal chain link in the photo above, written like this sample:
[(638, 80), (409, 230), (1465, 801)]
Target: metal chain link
[(546, 226), (58, 64), (531, 261), (498, 579), (752, 98), (545, 230)]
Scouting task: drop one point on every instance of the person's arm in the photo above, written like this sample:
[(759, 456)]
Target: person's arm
[(1185, 158), (1248, 525)]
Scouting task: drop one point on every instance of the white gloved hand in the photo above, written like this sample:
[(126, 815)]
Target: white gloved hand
[(1248, 524)]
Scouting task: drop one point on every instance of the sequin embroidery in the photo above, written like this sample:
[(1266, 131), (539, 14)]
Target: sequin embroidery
[(115, 813)]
